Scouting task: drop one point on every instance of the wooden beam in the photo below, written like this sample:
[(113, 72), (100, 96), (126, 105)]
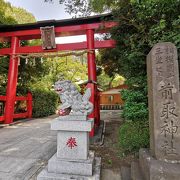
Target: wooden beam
[(60, 47), (60, 31)]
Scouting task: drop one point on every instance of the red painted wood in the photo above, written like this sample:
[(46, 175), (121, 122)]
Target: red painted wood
[(105, 44), (20, 98), (12, 82), (2, 118), (91, 72), (92, 100), (20, 115), (91, 56), (28, 99), (5, 51), (92, 75), (2, 98), (60, 47), (62, 31)]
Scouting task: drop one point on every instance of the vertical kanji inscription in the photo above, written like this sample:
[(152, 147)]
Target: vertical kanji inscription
[(163, 94)]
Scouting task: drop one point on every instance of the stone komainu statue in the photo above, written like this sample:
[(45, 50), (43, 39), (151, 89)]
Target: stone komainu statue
[(72, 99)]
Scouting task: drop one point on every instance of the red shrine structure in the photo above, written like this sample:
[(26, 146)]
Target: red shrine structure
[(14, 34)]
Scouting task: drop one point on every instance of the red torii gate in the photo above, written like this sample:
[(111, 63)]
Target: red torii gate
[(69, 27)]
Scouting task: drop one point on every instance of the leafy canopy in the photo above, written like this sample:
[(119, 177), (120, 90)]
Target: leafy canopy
[(11, 15), (86, 7)]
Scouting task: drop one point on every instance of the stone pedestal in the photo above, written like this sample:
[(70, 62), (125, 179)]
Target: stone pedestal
[(152, 169), (162, 162), (73, 159)]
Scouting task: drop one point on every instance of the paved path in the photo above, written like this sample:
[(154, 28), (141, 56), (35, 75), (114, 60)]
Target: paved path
[(25, 148), (111, 115)]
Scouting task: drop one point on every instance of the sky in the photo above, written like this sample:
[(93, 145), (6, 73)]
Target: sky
[(46, 11), (42, 10)]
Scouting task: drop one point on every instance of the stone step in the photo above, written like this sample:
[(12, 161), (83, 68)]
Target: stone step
[(136, 171), (109, 174), (76, 167), (45, 175), (125, 173)]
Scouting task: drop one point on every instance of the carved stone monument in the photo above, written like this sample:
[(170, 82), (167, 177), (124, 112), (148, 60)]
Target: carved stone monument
[(162, 162), (73, 159)]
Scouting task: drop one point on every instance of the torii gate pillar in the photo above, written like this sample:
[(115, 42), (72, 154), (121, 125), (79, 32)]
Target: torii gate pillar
[(91, 55), (12, 82), (92, 76)]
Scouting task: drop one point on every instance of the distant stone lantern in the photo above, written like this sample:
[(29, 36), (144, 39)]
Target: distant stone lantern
[(48, 37)]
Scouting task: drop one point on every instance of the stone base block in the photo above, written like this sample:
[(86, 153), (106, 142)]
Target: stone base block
[(83, 167), (136, 173), (45, 175), (72, 117), (72, 145), (153, 169), (125, 173), (72, 125)]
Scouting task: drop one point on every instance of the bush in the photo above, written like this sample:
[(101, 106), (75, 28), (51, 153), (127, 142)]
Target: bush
[(134, 135), (135, 111), (44, 102), (135, 107)]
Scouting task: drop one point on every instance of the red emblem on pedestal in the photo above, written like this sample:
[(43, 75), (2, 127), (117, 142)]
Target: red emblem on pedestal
[(71, 142)]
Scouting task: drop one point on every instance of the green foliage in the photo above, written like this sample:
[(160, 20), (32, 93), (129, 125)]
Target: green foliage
[(20, 15), (5, 18), (30, 72), (141, 25), (118, 80), (75, 7), (44, 102), (4, 63), (133, 135), (86, 7), (12, 15), (105, 82), (67, 68), (135, 107), (108, 62), (135, 111), (103, 5)]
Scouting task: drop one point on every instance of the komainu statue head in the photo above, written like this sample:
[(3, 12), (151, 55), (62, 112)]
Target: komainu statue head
[(72, 101)]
